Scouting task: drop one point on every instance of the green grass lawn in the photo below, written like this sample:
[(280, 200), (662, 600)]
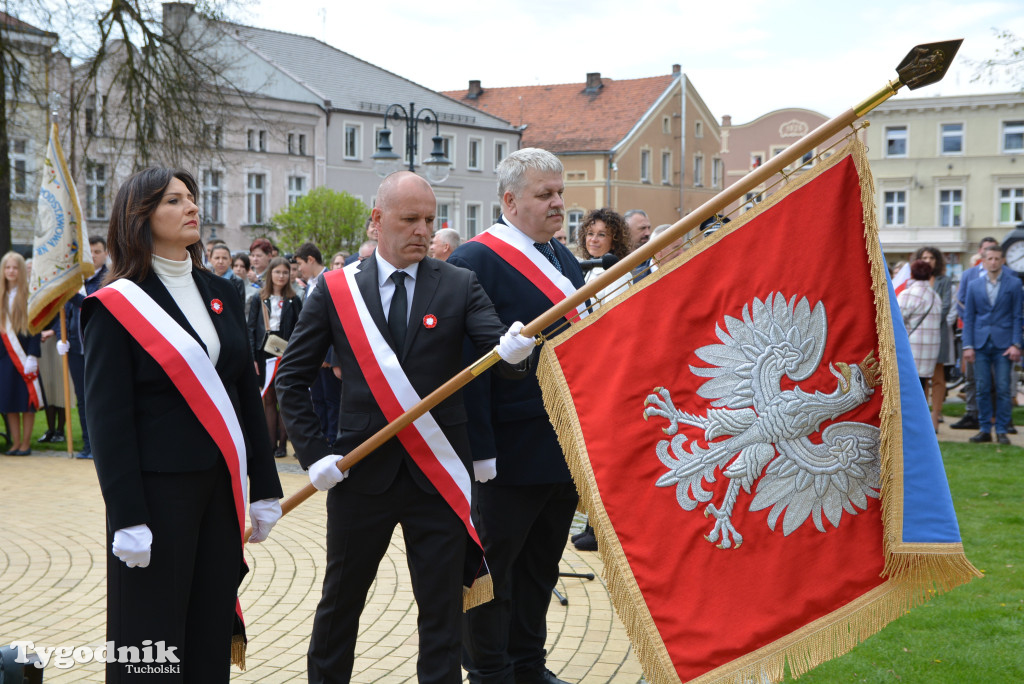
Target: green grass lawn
[(974, 633)]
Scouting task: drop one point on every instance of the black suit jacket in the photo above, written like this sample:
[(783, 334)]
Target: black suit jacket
[(430, 357), (254, 320), (507, 419), (139, 422)]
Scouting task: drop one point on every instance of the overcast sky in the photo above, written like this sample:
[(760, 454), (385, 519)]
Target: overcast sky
[(745, 57)]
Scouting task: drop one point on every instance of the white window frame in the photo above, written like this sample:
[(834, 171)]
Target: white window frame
[(357, 141), (302, 144), (450, 152), (440, 218), (291, 143), (477, 165), (698, 129), (943, 136), (495, 212), (95, 191), (894, 133), (666, 167), (1013, 127), (211, 196), (262, 140), (293, 194), (1015, 199), (473, 223), (645, 166), (250, 139), (717, 172), (573, 221), (256, 215), (956, 208), (19, 167), (666, 125), (698, 170), (895, 206), (504, 152)]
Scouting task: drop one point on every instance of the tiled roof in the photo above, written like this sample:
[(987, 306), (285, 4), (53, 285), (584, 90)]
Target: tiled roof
[(349, 82), (18, 25), (566, 118)]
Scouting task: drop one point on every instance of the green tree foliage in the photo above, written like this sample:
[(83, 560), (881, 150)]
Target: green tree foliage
[(331, 220)]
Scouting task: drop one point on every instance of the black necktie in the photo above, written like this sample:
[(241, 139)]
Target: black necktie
[(549, 254), (398, 313)]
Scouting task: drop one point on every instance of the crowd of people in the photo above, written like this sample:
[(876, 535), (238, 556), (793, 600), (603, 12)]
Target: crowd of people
[(986, 308)]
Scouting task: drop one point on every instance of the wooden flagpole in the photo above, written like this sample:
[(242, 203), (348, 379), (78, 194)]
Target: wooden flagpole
[(924, 65)]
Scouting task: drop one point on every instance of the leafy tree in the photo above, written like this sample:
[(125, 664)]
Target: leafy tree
[(329, 219)]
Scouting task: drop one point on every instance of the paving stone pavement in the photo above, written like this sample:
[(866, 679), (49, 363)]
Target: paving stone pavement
[(53, 583)]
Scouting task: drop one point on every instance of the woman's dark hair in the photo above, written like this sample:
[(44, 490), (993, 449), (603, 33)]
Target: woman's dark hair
[(129, 237), (616, 226), (920, 269), (940, 261), (268, 280), (243, 257)]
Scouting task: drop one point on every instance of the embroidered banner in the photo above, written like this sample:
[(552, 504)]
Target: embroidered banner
[(745, 470), (58, 266)]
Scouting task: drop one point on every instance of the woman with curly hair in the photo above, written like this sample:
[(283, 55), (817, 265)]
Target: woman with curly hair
[(603, 231), (943, 287)]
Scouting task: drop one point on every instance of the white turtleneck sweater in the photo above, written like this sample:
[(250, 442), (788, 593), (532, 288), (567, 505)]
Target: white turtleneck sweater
[(177, 278)]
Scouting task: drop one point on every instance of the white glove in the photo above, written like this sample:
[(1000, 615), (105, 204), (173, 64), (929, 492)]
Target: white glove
[(513, 347), (31, 365), (132, 545), (63, 347), (485, 470), (263, 514), (324, 474)]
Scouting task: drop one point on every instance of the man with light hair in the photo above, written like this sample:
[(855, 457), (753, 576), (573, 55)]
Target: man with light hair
[(445, 242), (674, 249), (525, 501)]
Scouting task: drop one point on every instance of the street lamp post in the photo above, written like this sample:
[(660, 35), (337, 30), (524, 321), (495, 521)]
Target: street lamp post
[(386, 161)]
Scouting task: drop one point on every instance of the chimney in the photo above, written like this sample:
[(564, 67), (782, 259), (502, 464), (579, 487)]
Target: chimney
[(475, 90), (676, 70), (176, 16), (594, 84), (726, 120)]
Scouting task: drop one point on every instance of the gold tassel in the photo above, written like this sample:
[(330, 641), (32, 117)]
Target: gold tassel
[(481, 592), (238, 651)]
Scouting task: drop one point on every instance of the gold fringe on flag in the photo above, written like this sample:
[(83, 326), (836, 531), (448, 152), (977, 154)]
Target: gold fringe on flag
[(238, 651), (914, 571), (481, 592)]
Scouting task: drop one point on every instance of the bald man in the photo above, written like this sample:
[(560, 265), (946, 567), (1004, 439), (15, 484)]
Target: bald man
[(409, 316)]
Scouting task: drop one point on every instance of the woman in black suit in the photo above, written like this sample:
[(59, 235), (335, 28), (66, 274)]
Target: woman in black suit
[(174, 490), (280, 308)]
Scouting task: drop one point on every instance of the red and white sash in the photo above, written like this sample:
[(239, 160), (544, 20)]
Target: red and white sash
[(517, 250), (395, 395), (269, 373), (18, 358)]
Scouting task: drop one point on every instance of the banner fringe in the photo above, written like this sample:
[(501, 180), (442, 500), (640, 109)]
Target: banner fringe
[(238, 651), (914, 572)]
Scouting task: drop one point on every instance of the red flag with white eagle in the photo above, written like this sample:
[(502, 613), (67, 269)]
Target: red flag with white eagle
[(733, 426)]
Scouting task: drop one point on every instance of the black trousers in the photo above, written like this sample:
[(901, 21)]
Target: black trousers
[(76, 368), (186, 596), (359, 529), (524, 531)]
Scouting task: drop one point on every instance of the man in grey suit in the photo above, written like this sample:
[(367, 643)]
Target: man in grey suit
[(423, 309)]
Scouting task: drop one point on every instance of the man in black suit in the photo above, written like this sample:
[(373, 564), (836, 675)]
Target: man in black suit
[(423, 316), (326, 389), (524, 512)]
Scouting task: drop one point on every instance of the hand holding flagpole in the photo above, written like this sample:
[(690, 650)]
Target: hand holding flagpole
[(924, 65)]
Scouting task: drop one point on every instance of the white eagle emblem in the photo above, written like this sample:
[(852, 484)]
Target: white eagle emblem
[(776, 338)]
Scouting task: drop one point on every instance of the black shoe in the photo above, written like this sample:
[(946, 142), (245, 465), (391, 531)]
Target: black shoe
[(280, 452), (58, 436), (544, 677), (968, 422), (981, 437), (587, 542), (47, 437), (1003, 439), (1011, 430), (587, 529)]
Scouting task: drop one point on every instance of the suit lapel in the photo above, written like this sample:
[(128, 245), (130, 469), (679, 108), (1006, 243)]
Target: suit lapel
[(427, 277), (366, 280)]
